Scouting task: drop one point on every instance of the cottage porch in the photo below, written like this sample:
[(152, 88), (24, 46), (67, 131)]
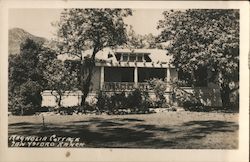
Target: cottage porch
[(129, 78), (125, 86)]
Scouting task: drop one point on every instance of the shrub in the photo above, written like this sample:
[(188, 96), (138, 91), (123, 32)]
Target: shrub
[(137, 101), (89, 106), (194, 105), (118, 101), (66, 110), (189, 101), (47, 109), (101, 101), (26, 100), (146, 102), (134, 99), (159, 88), (234, 101)]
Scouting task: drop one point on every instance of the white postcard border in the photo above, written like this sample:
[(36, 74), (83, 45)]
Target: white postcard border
[(86, 154)]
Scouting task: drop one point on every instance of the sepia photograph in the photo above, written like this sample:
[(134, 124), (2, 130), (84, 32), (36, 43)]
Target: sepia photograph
[(124, 78)]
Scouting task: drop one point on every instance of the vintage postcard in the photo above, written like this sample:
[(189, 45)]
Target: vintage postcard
[(124, 81)]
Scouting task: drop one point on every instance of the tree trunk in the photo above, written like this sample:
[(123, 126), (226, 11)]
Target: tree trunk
[(224, 90), (22, 112), (58, 96), (82, 86), (225, 95), (59, 101), (85, 86)]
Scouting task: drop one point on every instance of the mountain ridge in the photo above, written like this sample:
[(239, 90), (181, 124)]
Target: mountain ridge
[(17, 36)]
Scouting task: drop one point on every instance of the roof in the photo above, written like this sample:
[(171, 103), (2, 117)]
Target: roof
[(157, 56)]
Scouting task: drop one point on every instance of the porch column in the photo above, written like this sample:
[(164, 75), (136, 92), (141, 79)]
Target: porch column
[(168, 85), (168, 74), (102, 78), (136, 76)]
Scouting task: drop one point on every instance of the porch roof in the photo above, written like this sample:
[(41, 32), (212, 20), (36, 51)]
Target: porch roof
[(106, 57)]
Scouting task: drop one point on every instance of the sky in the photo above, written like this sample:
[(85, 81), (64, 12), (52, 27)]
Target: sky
[(39, 21)]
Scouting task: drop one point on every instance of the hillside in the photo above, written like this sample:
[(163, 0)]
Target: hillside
[(18, 36)]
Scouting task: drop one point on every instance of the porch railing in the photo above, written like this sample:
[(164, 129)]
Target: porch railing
[(125, 86)]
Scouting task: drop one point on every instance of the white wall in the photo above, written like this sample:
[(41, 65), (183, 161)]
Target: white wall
[(68, 100)]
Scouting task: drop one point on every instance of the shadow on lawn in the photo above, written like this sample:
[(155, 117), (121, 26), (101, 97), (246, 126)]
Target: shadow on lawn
[(126, 133), (203, 128), (211, 126)]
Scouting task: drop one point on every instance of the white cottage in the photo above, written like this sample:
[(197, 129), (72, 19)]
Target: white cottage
[(125, 69)]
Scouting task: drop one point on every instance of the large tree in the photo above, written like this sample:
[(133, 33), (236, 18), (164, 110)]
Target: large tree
[(26, 79), (205, 38), (137, 41), (60, 79), (95, 29)]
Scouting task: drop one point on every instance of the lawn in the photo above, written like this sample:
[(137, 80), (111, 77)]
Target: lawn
[(171, 130)]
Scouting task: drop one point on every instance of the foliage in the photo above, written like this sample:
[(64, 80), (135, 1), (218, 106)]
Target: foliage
[(59, 79), (25, 66), (47, 109), (26, 99), (102, 101), (136, 41), (31, 91), (204, 38), (189, 101), (138, 101), (194, 105), (135, 101), (26, 80), (198, 78), (159, 88), (66, 110), (95, 29), (111, 103), (146, 102), (118, 101)]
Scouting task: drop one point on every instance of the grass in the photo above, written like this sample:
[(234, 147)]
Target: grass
[(171, 130)]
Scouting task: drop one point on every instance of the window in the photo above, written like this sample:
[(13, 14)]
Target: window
[(140, 58), (125, 57), (147, 58), (132, 58)]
